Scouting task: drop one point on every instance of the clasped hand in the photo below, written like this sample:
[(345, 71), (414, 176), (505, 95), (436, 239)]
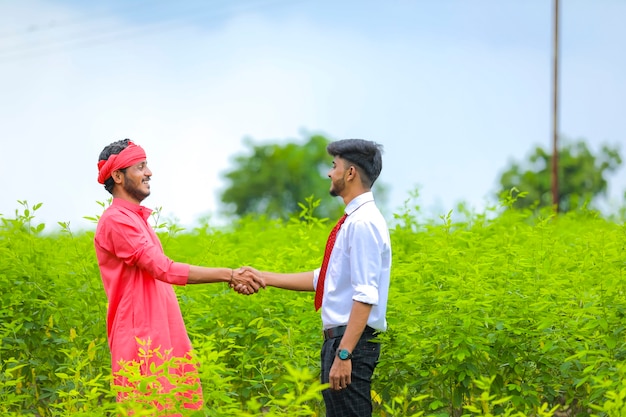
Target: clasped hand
[(246, 280)]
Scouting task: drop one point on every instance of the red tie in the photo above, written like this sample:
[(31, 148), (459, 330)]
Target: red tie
[(319, 290)]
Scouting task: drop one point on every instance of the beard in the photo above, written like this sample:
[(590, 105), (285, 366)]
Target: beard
[(135, 192), (336, 188)]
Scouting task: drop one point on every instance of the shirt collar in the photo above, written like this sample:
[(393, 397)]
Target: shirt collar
[(358, 201), (142, 211)]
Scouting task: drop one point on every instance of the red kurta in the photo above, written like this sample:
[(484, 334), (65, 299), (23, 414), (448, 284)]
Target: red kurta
[(143, 312)]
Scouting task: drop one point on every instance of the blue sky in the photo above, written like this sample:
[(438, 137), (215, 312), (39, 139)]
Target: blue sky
[(454, 90)]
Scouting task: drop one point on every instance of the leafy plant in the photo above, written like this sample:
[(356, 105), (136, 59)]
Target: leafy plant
[(505, 312)]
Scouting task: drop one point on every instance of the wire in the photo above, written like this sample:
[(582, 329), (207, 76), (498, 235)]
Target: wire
[(87, 38), (42, 28)]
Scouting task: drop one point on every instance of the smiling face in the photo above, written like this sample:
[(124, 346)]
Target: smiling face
[(134, 182)]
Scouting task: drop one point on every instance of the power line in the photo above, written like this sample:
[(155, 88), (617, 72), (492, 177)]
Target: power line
[(87, 38), (52, 24)]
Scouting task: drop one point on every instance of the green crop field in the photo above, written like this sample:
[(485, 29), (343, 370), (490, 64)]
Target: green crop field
[(495, 313)]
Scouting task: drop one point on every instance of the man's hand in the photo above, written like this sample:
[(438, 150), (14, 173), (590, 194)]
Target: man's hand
[(246, 280), (340, 374)]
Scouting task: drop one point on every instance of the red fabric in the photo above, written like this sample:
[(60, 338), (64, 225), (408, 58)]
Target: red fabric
[(319, 290), (130, 155), (144, 322)]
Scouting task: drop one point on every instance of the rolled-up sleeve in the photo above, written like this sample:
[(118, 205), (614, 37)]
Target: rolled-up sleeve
[(365, 262), (316, 276)]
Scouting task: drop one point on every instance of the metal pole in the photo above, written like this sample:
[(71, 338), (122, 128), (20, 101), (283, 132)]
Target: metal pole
[(555, 110)]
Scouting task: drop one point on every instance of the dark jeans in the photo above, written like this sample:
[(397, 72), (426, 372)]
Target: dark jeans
[(356, 400)]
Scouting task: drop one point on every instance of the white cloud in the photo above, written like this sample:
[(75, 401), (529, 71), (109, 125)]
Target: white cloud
[(452, 100)]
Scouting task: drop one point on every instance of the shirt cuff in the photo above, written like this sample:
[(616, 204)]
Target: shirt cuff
[(316, 275), (366, 294), (179, 273)]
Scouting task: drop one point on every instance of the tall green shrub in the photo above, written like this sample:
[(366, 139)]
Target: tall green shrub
[(495, 313)]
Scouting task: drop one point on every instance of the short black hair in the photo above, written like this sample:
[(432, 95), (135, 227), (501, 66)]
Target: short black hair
[(365, 154), (112, 149)]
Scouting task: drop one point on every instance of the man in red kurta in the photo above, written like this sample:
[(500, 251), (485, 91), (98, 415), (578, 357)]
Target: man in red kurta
[(145, 327)]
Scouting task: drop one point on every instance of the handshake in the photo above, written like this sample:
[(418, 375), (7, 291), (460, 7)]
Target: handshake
[(246, 280)]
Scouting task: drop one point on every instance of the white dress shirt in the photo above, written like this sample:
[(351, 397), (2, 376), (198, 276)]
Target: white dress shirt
[(359, 266)]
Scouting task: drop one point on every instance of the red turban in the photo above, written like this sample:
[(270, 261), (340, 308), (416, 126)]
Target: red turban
[(130, 155)]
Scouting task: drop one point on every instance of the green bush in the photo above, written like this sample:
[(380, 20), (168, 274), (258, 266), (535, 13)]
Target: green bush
[(495, 313)]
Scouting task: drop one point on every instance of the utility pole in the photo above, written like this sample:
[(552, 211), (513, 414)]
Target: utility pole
[(555, 110)]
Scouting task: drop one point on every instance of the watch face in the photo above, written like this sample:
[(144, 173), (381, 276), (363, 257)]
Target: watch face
[(343, 354)]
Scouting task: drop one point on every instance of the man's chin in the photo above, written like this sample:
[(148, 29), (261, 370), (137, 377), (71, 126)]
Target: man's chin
[(144, 195)]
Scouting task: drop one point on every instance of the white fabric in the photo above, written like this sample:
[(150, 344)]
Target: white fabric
[(359, 266)]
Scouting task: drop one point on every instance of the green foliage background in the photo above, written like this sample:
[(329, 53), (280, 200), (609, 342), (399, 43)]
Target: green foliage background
[(262, 180), (581, 176), (496, 313)]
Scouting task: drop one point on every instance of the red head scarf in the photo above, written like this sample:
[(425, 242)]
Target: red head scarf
[(130, 155)]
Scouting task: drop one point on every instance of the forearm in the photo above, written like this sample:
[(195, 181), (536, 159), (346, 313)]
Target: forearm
[(205, 275), (299, 281), (356, 324)]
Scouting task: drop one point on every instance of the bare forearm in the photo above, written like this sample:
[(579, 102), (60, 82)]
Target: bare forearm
[(356, 324), (205, 275), (299, 281), (246, 280), (340, 375)]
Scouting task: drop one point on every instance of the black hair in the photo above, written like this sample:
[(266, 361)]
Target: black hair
[(112, 149), (365, 154)]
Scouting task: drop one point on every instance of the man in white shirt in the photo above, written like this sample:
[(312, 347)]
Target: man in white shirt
[(353, 283)]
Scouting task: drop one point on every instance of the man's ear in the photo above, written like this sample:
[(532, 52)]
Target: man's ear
[(117, 176), (353, 173)]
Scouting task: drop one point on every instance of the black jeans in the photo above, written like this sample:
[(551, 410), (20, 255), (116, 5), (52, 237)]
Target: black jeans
[(356, 400)]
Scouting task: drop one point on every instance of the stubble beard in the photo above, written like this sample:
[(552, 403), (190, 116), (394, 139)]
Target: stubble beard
[(135, 192), (337, 187)]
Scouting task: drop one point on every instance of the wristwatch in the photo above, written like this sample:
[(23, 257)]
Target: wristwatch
[(344, 354)]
